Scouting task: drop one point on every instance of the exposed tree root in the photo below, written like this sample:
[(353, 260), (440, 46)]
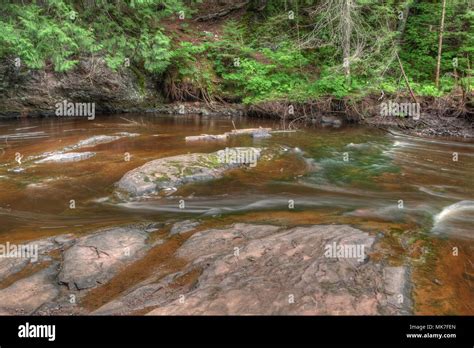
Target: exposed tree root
[(449, 115)]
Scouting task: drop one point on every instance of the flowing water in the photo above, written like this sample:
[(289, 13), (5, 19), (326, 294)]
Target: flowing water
[(354, 175)]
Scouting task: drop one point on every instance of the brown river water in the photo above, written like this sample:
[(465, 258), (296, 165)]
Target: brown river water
[(417, 192)]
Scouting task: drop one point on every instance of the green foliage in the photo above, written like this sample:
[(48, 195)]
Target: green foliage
[(426, 90), (36, 39), (330, 84), (276, 75), (263, 55), (57, 32), (155, 51), (420, 48), (185, 58), (131, 31)]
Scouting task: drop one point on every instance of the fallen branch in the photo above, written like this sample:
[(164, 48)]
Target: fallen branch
[(255, 132), (222, 12), (126, 119), (207, 137)]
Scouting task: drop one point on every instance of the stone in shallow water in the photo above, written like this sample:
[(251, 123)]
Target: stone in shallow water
[(249, 131), (67, 157), (261, 134), (17, 170), (331, 120), (183, 226), (64, 156), (101, 139), (170, 172), (127, 134), (96, 140)]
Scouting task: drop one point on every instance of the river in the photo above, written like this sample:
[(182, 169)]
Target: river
[(404, 187)]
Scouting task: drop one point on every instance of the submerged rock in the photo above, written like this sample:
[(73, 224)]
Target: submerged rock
[(63, 155), (67, 157), (362, 146), (254, 132), (96, 140), (17, 170), (331, 120), (184, 226), (261, 133), (12, 265), (171, 172), (100, 139)]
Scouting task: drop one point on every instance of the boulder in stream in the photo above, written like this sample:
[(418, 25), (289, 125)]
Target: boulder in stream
[(170, 172)]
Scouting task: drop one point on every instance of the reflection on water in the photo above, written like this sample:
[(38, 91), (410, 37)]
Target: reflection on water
[(352, 171)]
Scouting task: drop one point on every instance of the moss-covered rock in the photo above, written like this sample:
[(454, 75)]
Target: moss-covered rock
[(170, 172)]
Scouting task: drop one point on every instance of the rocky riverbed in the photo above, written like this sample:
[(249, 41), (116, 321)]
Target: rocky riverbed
[(236, 269), (132, 216)]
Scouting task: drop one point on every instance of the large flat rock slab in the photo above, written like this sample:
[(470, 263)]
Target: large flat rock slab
[(95, 259), (27, 295), (30, 253), (249, 269), (65, 265)]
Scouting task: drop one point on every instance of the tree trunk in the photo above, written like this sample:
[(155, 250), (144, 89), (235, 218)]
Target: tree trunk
[(440, 44), (346, 37), (406, 79)]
